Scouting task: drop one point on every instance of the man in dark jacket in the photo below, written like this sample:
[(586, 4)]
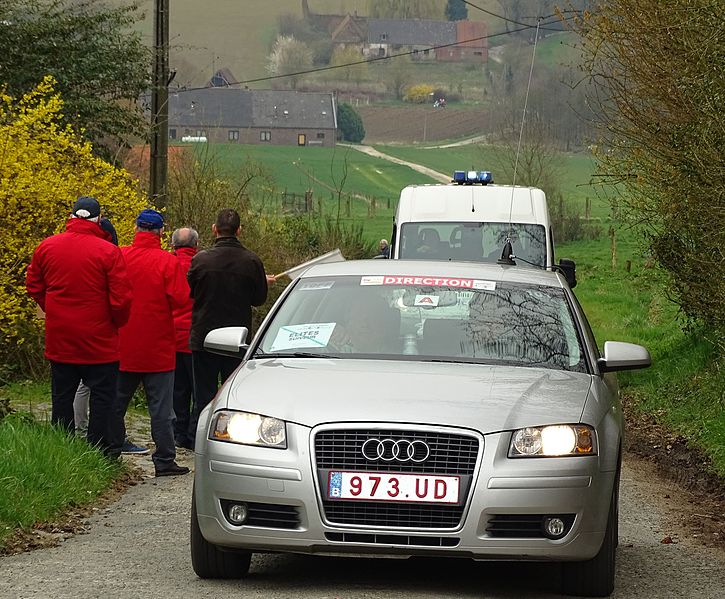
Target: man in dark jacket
[(225, 281), (80, 281), (148, 344)]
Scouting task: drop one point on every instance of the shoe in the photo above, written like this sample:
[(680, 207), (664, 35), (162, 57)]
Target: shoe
[(173, 470), (130, 448)]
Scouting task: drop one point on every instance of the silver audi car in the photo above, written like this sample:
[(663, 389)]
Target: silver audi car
[(408, 408)]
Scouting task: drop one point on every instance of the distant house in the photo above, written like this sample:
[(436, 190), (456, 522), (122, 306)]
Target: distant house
[(231, 115), (443, 41), (461, 41), (344, 30), (222, 78)]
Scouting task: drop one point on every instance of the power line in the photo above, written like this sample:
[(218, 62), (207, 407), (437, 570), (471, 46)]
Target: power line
[(503, 18), (370, 60)]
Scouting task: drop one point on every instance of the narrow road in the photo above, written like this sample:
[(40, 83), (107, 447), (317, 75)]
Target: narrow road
[(138, 548), (370, 151)]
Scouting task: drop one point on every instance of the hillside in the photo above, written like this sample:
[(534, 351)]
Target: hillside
[(238, 33)]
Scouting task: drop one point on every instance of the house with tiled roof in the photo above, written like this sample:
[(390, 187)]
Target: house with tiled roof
[(266, 117), (444, 41)]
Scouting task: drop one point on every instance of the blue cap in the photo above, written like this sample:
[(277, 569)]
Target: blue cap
[(150, 219)]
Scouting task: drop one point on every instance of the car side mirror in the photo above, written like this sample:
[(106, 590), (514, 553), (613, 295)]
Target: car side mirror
[(568, 269), (227, 341), (623, 356)]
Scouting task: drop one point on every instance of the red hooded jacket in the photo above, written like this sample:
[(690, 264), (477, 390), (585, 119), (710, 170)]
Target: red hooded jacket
[(159, 285), (182, 316), (79, 279)]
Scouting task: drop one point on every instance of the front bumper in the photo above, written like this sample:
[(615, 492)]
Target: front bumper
[(500, 488)]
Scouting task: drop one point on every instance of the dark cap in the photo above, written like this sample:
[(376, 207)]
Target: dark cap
[(109, 229), (150, 219), (86, 207)]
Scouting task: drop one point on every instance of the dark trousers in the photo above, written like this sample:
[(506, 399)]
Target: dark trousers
[(209, 370), (101, 379), (159, 387), (183, 397)]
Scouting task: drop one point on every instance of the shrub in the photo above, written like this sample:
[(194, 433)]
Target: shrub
[(44, 167), (567, 222), (419, 94), (350, 123)]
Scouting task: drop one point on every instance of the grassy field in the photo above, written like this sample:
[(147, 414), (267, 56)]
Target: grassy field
[(296, 170), (319, 169), (575, 169)]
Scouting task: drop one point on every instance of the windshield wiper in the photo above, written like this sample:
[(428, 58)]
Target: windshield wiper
[(298, 354)]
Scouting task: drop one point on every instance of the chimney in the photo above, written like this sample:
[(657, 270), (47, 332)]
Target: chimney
[(305, 10)]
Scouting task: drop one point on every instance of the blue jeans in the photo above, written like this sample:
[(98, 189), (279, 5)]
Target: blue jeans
[(159, 387)]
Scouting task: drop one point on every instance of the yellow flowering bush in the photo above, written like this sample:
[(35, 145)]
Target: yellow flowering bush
[(44, 167), (419, 94)]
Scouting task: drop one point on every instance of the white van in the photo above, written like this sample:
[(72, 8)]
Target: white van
[(471, 219)]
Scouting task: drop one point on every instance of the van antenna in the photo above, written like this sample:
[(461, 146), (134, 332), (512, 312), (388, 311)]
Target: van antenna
[(507, 255)]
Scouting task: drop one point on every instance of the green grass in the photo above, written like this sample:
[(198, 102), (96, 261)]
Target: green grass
[(684, 387), (576, 169), (44, 471)]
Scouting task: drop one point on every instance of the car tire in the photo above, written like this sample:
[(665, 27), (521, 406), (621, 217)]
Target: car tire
[(595, 577), (208, 560)]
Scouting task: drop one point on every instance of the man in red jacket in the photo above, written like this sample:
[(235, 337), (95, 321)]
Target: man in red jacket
[(148, 348), (80, 281), (185, 242)]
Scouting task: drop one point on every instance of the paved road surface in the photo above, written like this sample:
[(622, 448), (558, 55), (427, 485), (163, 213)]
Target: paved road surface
[(138, 548)]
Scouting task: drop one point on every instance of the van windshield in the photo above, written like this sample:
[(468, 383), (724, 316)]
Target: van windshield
[(473, 242)]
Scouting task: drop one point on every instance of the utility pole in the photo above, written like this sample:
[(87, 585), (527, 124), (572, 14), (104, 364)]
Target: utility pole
[(159, 162)]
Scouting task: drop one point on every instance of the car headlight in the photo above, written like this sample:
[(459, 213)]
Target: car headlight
[(552, 441), (249, 429)]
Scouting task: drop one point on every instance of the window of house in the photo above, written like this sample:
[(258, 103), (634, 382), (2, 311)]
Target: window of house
[(265, 136), (200, 133), (301, 139), (233, 135), (172, 133), (320, 135), (425, 52), (477, 53), (383, 37)]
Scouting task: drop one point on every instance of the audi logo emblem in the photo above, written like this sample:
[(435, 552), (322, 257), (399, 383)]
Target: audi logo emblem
[(401, 450)]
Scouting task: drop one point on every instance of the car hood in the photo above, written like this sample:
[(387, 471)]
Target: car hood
[(487, 398)]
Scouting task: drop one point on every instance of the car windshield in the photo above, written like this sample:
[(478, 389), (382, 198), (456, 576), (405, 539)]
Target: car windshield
[(473, 242), (425, 318)]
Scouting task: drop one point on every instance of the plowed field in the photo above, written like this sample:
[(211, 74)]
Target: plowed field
[(385, 124)]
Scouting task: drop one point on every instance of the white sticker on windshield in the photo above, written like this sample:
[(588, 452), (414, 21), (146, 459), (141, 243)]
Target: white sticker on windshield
[(426, 300), (316, 334), (371, 280), (486, 285), (307, 285)]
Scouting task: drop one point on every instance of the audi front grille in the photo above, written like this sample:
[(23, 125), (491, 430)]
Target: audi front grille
[(450, 454)]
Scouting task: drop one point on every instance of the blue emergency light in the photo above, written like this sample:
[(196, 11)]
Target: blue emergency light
[(471, 177)]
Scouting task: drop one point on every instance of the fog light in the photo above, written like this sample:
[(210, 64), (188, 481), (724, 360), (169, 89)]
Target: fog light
[(238, 513), (554, 527)]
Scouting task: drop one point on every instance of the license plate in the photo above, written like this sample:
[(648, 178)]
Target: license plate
[(379, 486)]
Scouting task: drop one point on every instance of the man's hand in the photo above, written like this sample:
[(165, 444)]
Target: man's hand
[(271, 279)]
